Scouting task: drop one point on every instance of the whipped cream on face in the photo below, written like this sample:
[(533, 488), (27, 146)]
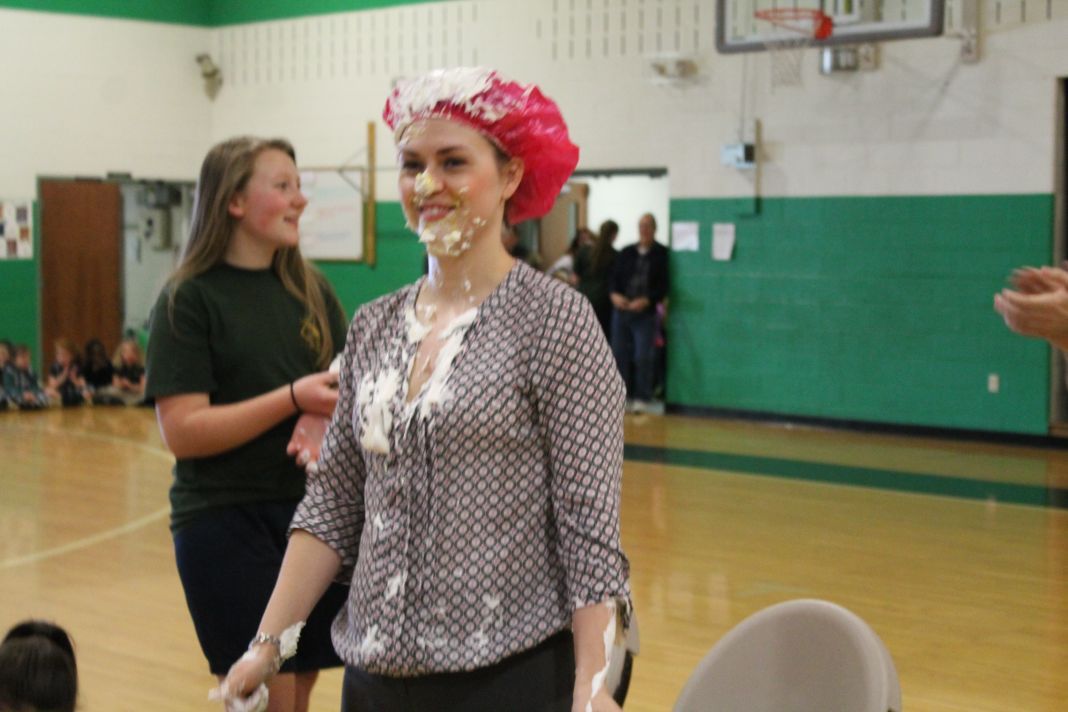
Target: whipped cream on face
[(451, 234), (426, 185)]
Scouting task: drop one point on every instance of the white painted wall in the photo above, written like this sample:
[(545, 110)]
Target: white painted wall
[(923, 123), (88, 95), (84, 96)]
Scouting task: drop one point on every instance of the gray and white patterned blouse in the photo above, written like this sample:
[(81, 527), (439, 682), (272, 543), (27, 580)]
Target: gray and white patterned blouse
[(473, 521)]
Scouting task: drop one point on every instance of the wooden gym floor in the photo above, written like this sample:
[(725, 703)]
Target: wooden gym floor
[(957, 554)]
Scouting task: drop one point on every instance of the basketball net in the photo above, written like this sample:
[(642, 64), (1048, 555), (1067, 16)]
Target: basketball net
[(794, 30)]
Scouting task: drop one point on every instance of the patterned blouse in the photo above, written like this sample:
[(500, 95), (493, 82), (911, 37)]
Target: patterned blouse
[(473, 521)]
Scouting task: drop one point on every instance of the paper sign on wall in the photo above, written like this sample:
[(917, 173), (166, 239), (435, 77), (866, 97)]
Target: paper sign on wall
[(331, 227), (16, 230), (684, 236), (722, 241)]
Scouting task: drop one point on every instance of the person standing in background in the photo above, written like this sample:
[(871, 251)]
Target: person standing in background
[(593, 268), (564, 266), (639, 284), (241, 338)]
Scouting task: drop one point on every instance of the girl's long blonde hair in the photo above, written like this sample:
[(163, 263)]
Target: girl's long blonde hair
[(225, 172)]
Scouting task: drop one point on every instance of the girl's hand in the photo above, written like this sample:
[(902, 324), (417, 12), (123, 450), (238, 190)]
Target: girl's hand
[(307, 438), (316, 394)]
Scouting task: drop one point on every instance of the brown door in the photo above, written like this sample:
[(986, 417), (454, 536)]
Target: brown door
[(81, 262)]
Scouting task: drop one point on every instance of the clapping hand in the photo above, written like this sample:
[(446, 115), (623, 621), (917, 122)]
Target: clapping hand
[(1038, 306)]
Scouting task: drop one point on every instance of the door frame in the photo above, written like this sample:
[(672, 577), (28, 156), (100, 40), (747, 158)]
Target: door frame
[(1058, 394)]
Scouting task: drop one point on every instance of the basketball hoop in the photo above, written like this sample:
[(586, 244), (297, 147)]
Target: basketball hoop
[(796, 29)]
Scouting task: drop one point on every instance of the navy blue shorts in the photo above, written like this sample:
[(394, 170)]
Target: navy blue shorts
[(228, 561)]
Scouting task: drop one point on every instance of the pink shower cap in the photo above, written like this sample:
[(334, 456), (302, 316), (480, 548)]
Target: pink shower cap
[(521, 120)]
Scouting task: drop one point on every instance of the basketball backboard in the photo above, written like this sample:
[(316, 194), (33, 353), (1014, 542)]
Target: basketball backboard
[(743, 25)]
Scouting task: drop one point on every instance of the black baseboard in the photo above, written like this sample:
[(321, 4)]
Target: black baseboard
[(864, 426)]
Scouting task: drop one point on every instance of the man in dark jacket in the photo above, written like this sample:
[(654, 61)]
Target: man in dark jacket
[(639, 284)]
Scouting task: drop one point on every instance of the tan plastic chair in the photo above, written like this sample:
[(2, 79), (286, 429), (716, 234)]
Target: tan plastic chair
[(799, 656)]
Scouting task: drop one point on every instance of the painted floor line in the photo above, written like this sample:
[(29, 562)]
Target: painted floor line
[(56, 430), (825, 473), (87, 541)]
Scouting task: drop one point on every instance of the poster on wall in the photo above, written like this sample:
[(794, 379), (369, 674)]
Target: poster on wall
[(16, 229), (331, 227)]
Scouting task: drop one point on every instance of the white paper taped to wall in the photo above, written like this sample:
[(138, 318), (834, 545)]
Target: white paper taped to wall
[(722, 241), (684, 236), (331, 227)]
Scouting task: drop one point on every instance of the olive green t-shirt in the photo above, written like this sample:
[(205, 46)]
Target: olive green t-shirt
[(235, 334)]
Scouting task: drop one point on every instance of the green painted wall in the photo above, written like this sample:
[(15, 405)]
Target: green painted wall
[(400, 261), (19, 306), (184, 12), (209, 13), (873, 309), (18, 303), (234, 12)]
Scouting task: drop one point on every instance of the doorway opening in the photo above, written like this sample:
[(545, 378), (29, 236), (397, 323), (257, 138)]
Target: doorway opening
[(591, 198), (624, 195)]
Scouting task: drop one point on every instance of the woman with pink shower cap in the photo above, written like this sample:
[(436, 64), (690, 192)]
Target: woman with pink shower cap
[(469, 484)]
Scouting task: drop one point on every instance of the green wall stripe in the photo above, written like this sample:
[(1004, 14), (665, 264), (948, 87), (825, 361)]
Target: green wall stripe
[(18, 303), (861, 308), (19, 299), (205, 13), (234, 12), (807, 471), (184, 12)]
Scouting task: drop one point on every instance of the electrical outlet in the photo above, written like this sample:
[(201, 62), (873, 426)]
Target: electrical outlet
[(993, 382)]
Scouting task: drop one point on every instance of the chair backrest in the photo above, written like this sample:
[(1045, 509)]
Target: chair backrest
[(799, 656)]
